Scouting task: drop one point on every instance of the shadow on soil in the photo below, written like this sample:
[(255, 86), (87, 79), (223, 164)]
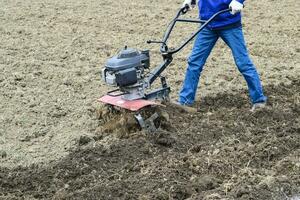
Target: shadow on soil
[(221, 152)]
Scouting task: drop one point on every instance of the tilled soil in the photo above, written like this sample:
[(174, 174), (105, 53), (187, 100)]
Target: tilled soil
[(223, 151), (52, 145), (51, 54)]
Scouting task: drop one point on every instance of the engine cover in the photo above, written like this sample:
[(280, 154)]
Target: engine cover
[(126, 68), (127, 58)]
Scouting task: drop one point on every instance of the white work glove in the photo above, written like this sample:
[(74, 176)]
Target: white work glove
[(190, 3), (236, 7)]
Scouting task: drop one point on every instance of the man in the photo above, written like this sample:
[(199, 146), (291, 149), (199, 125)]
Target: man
[(228, 27)]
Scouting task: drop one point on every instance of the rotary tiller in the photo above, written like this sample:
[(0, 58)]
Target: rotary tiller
[(127, 72)]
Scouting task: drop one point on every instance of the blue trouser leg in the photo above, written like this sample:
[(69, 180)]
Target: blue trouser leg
[(202, 47), (234, 38)]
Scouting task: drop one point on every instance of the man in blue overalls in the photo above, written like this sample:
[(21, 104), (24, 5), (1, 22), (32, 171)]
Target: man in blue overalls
[(227, 26)]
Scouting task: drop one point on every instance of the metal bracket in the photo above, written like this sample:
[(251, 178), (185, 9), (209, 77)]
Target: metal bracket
[(140, 120), (163, 82), (147, 124), (161, 94)]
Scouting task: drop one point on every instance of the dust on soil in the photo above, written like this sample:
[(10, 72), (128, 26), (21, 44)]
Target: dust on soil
[(50, 147)]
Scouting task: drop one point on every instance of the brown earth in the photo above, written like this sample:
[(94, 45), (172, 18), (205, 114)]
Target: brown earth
[(221, 152), (51, 54)]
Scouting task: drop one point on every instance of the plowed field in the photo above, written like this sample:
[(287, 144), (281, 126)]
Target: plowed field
[(52, 145)]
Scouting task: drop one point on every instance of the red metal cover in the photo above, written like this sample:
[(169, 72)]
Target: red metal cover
[(133, 105)]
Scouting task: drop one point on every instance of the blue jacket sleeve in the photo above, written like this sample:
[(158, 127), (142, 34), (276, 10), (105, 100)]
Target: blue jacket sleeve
[(241, 1)]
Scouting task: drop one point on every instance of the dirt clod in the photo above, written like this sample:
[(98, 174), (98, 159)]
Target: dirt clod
[(3, 154), (83, 140)]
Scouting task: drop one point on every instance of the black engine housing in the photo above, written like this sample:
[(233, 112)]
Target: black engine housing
[(126, 68)]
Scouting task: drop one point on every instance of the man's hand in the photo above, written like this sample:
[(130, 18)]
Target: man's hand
[(190, 3), (235, 7)]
